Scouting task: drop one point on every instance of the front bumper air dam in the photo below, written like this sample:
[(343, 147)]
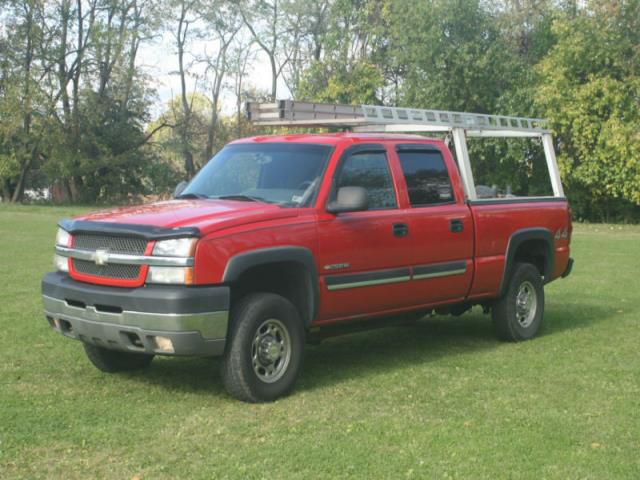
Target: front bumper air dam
[(195, 319)]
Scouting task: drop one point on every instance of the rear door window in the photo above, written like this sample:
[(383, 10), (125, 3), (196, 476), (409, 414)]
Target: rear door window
[(426, 175)]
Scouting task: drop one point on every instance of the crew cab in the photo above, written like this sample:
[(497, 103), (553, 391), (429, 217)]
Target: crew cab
[(278, 236)]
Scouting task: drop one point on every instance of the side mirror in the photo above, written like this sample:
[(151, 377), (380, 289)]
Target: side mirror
[(180, 188), (349, 199)]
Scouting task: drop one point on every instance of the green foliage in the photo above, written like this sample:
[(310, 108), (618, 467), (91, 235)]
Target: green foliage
[(337, 82), (80, 118), (109, 161), (74, 116), (349, 71), (169, 141), (455, 57), (590, 89), (11, 133), (451, 54)]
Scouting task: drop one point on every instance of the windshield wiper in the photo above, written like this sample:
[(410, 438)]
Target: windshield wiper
[(191, 195), (245, 198)]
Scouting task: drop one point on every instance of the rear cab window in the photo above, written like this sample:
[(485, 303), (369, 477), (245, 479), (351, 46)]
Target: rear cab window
[(509, 168), (426, 175)]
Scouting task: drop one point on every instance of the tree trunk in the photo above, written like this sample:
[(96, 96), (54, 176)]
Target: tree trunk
[(77, 189), (104, 65), (6, 190), (26, 116), (181, 37), (239, 119), (68, 189), (63, 79), (18, 192), (76, 76), (211, 134), (131, 70), (274, 77), (188, 163), (317, 51)]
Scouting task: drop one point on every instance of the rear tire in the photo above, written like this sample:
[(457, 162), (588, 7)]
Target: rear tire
[(112, 361), (264, 350), (518, 315)]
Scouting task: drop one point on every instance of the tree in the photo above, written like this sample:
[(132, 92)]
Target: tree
[(303, 42), (223, 24), (590, 90), (452, 54), (71, 86), (187, 13), (100, 94), (347, 64), (242, 54), (171, 140), (25, 103), (268, 22), (525, 25)]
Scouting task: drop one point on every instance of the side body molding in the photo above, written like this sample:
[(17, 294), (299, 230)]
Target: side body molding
[(242, 262), (517, 239)]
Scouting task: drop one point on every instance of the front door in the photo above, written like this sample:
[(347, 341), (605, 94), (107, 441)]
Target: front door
[(363, 260)]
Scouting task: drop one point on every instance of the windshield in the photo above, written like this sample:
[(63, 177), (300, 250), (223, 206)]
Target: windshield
[(282, 173)]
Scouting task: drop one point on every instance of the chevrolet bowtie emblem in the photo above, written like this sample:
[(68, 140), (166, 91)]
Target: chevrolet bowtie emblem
[(101, 257)]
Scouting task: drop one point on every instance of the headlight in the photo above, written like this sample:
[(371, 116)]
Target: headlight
[(61, 263), (178, 247), (170, 275), (63, 238)]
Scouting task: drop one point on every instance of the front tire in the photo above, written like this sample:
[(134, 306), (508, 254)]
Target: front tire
[(112, 361), (264, 349), (518, 315)]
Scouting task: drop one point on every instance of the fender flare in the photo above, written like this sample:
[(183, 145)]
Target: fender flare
[(239, 264), (517, 239)]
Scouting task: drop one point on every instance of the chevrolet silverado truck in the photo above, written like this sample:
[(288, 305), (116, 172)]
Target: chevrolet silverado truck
[(281, 235)]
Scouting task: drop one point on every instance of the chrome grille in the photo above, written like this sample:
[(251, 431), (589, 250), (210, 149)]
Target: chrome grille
[(114, 244), (114, 270)]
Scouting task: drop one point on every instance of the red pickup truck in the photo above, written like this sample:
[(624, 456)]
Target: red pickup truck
[(278, 236)]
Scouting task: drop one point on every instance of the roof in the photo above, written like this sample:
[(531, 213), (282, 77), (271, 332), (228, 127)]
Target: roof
[(334, 138)]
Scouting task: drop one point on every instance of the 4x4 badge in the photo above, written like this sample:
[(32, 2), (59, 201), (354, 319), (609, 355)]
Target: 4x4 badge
[(101, 257)]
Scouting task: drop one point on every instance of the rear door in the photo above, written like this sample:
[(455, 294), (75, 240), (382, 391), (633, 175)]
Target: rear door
[(440, 239)]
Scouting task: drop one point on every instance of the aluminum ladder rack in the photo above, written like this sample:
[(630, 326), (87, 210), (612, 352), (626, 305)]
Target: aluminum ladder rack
[(380, 119)]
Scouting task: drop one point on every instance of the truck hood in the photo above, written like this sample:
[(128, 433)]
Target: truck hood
[(206, 215)]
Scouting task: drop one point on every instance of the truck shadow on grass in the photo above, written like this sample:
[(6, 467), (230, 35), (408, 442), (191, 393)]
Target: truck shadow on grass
[(396, 347), (432, 339), (573, 316), (376, 351)]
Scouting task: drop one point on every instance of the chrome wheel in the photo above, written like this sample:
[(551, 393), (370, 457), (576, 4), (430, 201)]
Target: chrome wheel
[(526, 304), (271, 350)]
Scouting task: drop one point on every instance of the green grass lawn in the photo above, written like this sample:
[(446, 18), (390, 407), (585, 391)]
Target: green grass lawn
[(438, 399)]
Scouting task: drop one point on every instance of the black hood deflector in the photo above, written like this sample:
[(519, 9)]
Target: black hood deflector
[(148, 232)]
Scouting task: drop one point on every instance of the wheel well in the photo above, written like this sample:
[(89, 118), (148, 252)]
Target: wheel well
[(536, 252), (289, 279)]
